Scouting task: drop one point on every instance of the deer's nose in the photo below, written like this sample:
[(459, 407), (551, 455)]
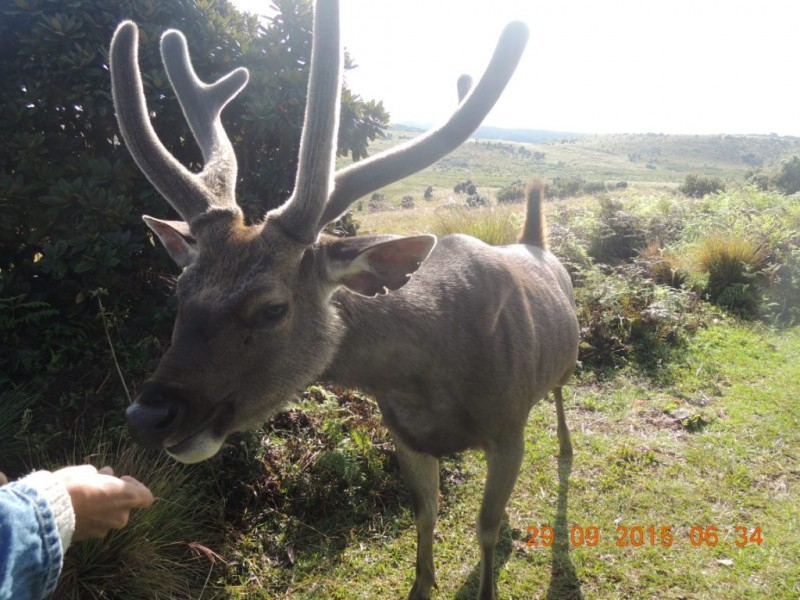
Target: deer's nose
[(155, 414)]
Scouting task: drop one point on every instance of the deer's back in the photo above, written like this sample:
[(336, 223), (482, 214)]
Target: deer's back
[(466, 347)]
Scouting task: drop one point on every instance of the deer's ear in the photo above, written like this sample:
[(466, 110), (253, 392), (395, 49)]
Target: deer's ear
[(176, 238), (372, 265)]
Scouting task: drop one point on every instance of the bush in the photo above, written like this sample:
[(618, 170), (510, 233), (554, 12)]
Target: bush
[(618, 234), (476, 201), (787, 177), (698, 186), (627, 318), (377, 202), (465, 187), (664, 268), (515, 192), (594, 187), (760, 180), (565, 187), (71, 196), (735, 267), (346, 226)]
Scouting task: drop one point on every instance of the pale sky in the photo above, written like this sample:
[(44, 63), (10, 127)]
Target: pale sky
[(591, 66)]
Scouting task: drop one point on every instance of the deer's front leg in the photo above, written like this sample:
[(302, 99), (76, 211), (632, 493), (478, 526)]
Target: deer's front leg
[(421, 474)]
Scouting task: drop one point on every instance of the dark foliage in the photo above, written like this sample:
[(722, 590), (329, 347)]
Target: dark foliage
[(697, 186), (619, 234), (71, 196), (787, 176)]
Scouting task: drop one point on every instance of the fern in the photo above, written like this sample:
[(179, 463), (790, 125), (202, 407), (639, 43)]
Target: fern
[(16, 311)]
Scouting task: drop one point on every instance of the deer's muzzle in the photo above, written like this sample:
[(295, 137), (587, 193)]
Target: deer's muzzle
[(155, 415)]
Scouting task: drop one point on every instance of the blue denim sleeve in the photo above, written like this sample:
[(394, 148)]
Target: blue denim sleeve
[(31, 555)]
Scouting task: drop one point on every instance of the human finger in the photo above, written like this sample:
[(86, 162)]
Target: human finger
[(141, 496)]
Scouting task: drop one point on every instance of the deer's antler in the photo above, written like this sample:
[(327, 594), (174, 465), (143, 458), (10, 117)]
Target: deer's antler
[(382, 169), (300, 214), (189, 193)]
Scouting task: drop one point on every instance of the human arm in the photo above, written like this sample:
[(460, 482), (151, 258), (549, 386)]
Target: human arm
[(41, 514)]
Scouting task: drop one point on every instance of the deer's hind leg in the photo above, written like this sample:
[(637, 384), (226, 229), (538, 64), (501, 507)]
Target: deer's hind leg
[(421, 474), (503, 462), (564, 442)]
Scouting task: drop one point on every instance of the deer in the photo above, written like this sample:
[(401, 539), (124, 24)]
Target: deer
[(456, 340)]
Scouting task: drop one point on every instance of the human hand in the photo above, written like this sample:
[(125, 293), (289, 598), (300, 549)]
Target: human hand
[(100, 500), (3, 478)]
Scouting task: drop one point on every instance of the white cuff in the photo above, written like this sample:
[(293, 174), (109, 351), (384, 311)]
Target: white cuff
[(55, 492)]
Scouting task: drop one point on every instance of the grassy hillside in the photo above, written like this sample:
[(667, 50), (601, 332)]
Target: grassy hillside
[(650, 159)]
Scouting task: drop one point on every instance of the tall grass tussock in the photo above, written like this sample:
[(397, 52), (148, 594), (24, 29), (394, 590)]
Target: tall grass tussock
[(735, 267)]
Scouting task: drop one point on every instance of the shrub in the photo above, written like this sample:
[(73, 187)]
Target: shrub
[(465, 187), (697, 186), (565, 241), (345, 226), (377, 202), (407, 202), (627, 318), (515, 192), (760, 180), (476, 201), (735, 267), (787, 177), (565, 187), (662, 267), (594, 187), (618, 234), (428, 195), (71, 196)]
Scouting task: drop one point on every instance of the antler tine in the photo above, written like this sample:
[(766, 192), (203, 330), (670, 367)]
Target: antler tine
[(382, 169), (463, 86), (202, 106), (300, 214), (188, 193)]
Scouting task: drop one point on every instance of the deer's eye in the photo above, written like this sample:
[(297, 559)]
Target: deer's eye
[(272, 313)]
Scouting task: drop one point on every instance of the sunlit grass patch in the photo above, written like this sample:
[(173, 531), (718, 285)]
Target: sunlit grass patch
[(497, 226), (166, 551), (734, 265)]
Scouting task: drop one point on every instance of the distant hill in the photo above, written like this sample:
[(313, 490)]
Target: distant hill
[(530, 136), (495, 155)]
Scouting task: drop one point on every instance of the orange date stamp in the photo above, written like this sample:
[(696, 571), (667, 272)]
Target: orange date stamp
[(638, 535)]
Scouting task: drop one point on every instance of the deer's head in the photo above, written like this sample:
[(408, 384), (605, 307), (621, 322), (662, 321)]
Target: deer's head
[(255, 323)]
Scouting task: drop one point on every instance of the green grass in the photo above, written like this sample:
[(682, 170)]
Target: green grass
[(164, 551), (696, 426), (635, 464), (703, 434)]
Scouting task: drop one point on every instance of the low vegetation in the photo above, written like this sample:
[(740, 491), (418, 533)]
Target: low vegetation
[(685, 255), (681, 394)]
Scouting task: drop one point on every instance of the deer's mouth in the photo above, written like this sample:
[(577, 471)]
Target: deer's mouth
[(207, 438)]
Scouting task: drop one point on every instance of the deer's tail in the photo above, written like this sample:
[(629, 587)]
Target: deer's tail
[(533, 232)]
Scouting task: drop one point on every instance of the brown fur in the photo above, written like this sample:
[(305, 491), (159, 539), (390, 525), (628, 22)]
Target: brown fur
[(533, 231), (456, 355)]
